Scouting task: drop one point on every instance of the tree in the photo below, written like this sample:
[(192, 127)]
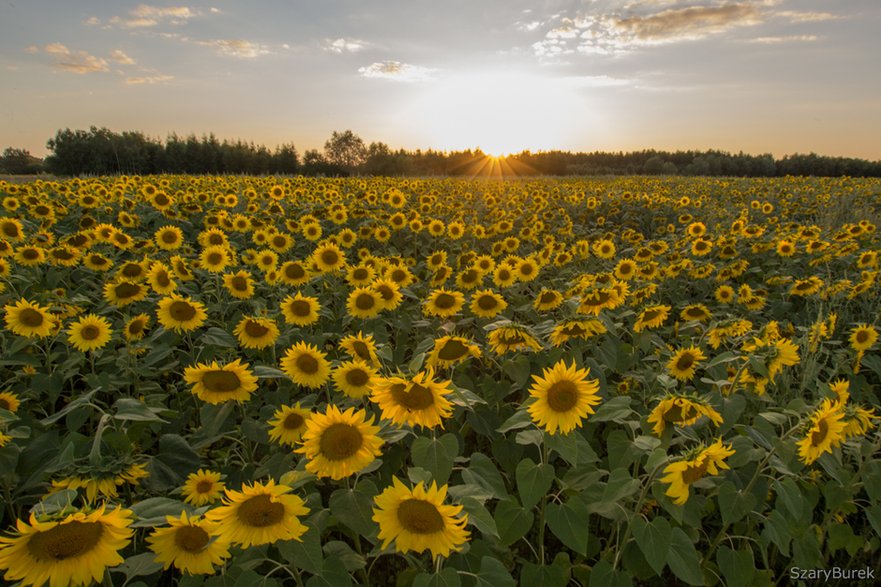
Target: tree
[(20, 162), (345, 150)]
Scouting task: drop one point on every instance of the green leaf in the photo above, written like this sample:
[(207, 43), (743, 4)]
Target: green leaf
[(126, 408), (139, 565), (527, 437), (174, 461), (70, 407), (479, 517), (737, 566), (616, 409), (436, 455), (873, 513), (653, 540), (518, 370), (520, 419), (573, 448), (791, 497), (339, 550), (568, 522), (533, 575), (355, 510), (683, 558), (512, 520), (305, 555), (533, 481), (448, 577), (604, 575), (152, 511), (493, 573), (332, 574), (265, 372), (218, 337), (481, 471), (734, 504)]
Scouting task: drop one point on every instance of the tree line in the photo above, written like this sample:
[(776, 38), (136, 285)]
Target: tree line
[(100, 151)]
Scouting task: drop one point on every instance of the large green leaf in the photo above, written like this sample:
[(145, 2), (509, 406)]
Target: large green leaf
[(355, 510), (492, 573), (448, 577), (479, 517), (482, 472), (568, 522), (653, 539), (737, 566), (683, 558), (512, 520), (436, 455), (533, 481)]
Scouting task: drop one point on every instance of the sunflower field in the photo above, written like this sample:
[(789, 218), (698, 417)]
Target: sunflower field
[(438, 382)]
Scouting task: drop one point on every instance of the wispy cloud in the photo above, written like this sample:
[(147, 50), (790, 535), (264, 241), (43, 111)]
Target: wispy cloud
[(79, 62), (121, 58), (237, 47), (146, 16), (395, 70), (796, 16), (786, 39), (148, 79), (343, 45)]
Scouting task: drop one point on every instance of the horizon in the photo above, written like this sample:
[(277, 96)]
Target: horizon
[(781, 77)]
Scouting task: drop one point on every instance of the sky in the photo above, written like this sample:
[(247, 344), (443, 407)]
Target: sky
[(758, 76)]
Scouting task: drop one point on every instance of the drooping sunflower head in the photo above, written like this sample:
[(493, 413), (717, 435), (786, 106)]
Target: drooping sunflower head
[(681, 410), (451, 350), (512, 338), (338, 444), (136, 327), (651, 317), (825, 431), (9, 401), (417, 519)]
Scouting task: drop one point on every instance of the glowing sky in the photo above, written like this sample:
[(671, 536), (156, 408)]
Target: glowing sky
[(778, 76)]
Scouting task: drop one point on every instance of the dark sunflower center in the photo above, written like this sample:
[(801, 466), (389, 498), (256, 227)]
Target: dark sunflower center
[(301, 308), (161, 199), (214, 258), (127, 290), (132, 270), (31, 318), (191, 539), (63, 255), (357, 377), (255, 329), (650, 315), (470, 276), (260, 511), (452, 350), (487, 303), (4, 404), (221, 381), (526, 269), (30, 254), (678, 413), (204, 486), (573, 330), (365, 301), (307, 364), (360, 273), (862, 337), (10, 230), (416, 399), (293, 421), (65, 541), (136, 327), (330, 257), (386, 292), (162, 279), (279, 241), (398, 275), (294, 271), (169, 237), (694, 473), (548, 297), (90, 332), (685, 362), (182, 311), (420, 517), (819, 435), (216, 239), (361, 349), (504, 275), (562, 396), (445, 301), (340, 441)]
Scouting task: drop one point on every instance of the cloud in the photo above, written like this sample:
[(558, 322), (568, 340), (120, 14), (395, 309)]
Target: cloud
[(780, 40), (148, 79), (146, 16), (342, 45), (694, 22), (120, 57), (78, 62), (395, 70), (796, 16), (237, 48)]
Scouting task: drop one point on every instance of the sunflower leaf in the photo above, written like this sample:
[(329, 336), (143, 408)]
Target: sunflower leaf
[(568, 522), (533, 481), (436, 455)]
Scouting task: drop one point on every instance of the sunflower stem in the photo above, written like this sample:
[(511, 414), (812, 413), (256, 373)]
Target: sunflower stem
[(541, 511)]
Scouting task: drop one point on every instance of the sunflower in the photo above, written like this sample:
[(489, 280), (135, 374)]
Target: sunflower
[(202, 487), (191, 544), (180, 314), (135, 328), (503, 275), (239, 284), (443, 303), (260, 514), (419, 401), (583, 329), (681, 411), (359, 275), (338, 444), (29, 319), (684, 362), (451, 350), (389, 293), (294, 273), (75, 550), (30, 256), (217, 383), (825, 431), (364, 302), (89, 333), (11, 229), (9, 401), (288, 424), (328, 257), (122, 293), (417, 519), (169, 238), (506, 339), (354, 378), (359, 346), (486, 303), (697, 312), (564, 396), (651, 317), (547, 299), (256, 333), (300, 310), (680, 475), (862, 337), (306, 365)]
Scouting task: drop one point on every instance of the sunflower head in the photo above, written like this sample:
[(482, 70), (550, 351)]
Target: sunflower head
[(338, 444), (564, 396)]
